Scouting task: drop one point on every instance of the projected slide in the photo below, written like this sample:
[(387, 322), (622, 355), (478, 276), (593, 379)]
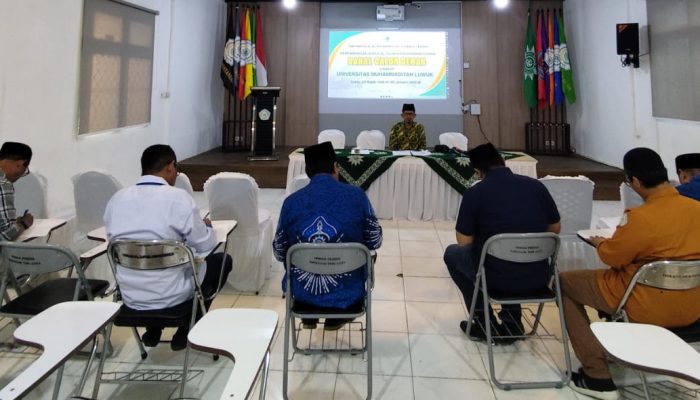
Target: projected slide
[(387, 65)]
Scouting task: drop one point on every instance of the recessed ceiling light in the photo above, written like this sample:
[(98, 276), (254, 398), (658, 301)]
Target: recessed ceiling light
[(500, 3), (289, 3)]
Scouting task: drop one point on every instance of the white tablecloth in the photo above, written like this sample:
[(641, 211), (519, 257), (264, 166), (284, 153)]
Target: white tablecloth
[(411, 190)]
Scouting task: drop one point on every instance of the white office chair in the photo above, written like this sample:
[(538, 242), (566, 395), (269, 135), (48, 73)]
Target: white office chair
[(573, 196), (183, 182), (454, 139), (648, 348), (244, 336), (30, 194), (59, 331), (371, 140), (298, 182), (234, 195), (335, 136), (92, 191)]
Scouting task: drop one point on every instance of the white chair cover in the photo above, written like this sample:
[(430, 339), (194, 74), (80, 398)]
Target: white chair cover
[(233, 195), (629, 197), (335, 136), (298, 182), (183, 182), (454, 139), (573, 196), (91, 191), (371, 140), (30, 194)]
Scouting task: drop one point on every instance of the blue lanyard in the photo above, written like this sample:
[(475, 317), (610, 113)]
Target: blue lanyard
[(149, 183)]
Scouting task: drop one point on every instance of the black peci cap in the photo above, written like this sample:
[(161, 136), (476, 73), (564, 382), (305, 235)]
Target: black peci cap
[(688, 161), (408, 107), (15, 150), (319, 153)]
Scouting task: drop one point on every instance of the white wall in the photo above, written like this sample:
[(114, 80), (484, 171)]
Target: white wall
[(39, 67), (613, 112)]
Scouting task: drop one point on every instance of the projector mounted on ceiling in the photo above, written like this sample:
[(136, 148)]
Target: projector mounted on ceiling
[(390, 12)]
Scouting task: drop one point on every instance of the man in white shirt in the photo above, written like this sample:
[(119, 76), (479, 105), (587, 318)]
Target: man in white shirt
[(154, 209)]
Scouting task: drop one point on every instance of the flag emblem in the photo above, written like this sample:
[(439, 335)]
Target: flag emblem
[(529, 63)]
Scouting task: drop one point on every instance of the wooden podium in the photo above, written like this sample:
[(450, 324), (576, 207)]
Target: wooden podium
[(263, 128)]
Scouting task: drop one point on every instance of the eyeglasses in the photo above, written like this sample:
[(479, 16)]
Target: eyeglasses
[(628, 180), (177, 167)]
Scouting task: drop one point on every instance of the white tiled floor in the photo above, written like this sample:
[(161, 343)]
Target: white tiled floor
[(419, 351)]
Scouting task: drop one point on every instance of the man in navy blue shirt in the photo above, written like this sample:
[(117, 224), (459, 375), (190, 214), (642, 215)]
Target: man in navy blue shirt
[(502, 202), (688, 168), (326, 211)]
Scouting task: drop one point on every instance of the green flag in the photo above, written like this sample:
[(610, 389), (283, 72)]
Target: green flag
[(567, 81), (529, 83)]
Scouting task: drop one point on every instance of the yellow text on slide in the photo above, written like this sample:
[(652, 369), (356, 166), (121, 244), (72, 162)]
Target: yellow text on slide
[(359, 61)]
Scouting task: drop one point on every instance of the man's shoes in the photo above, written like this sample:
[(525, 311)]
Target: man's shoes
[(510, 332), (309, 323), (478, 333), (333, 324), (179, 340), (151, 337), (603, 389)]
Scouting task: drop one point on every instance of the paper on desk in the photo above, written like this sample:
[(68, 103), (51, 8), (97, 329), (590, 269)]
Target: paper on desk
[(420, 152), (361, 151), (401, 152), (40, 228), (586, 234)]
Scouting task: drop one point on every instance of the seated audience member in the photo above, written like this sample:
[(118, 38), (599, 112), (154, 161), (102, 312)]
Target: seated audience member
[(688, 169), (326, 211), (666, 226), (14, 164), (154, 209), (407, 134), (503, 202)]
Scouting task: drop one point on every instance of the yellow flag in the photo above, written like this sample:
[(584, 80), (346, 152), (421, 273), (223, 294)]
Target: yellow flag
[(249, 62)]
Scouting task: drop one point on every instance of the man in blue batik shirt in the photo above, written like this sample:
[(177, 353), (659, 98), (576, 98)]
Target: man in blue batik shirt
[(688, 168), (326, 211)]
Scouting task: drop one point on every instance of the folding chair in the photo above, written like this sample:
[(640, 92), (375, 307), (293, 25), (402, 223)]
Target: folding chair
[(328, 259), (152, 255), (59, 331), (648, 348), (244, 336), (522, 248), (665, 275), (37, 259)]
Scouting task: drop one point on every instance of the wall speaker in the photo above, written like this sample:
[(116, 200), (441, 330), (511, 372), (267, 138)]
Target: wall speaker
[(628, 39)]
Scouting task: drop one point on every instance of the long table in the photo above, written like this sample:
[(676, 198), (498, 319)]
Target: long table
[(411, 189)]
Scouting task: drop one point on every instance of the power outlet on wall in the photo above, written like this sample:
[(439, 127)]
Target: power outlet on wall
[(475, 109)]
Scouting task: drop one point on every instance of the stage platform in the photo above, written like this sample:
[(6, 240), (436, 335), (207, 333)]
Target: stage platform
[(273, 174)]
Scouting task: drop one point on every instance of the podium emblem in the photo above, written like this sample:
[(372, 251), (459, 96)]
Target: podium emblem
[(264, 114)]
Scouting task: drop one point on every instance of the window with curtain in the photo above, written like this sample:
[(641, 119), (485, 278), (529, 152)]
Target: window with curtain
[(116, 69)]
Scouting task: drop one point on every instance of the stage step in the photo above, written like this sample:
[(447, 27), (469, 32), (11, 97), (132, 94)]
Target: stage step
[(273, 174)]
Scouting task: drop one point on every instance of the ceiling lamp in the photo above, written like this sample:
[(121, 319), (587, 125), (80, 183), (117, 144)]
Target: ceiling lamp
[(500, 4)]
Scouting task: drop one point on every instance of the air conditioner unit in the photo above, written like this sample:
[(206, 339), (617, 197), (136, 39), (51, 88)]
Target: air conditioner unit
[(390, 12)]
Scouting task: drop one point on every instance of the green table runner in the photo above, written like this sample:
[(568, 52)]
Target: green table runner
[(455, 169), (363, 169)]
